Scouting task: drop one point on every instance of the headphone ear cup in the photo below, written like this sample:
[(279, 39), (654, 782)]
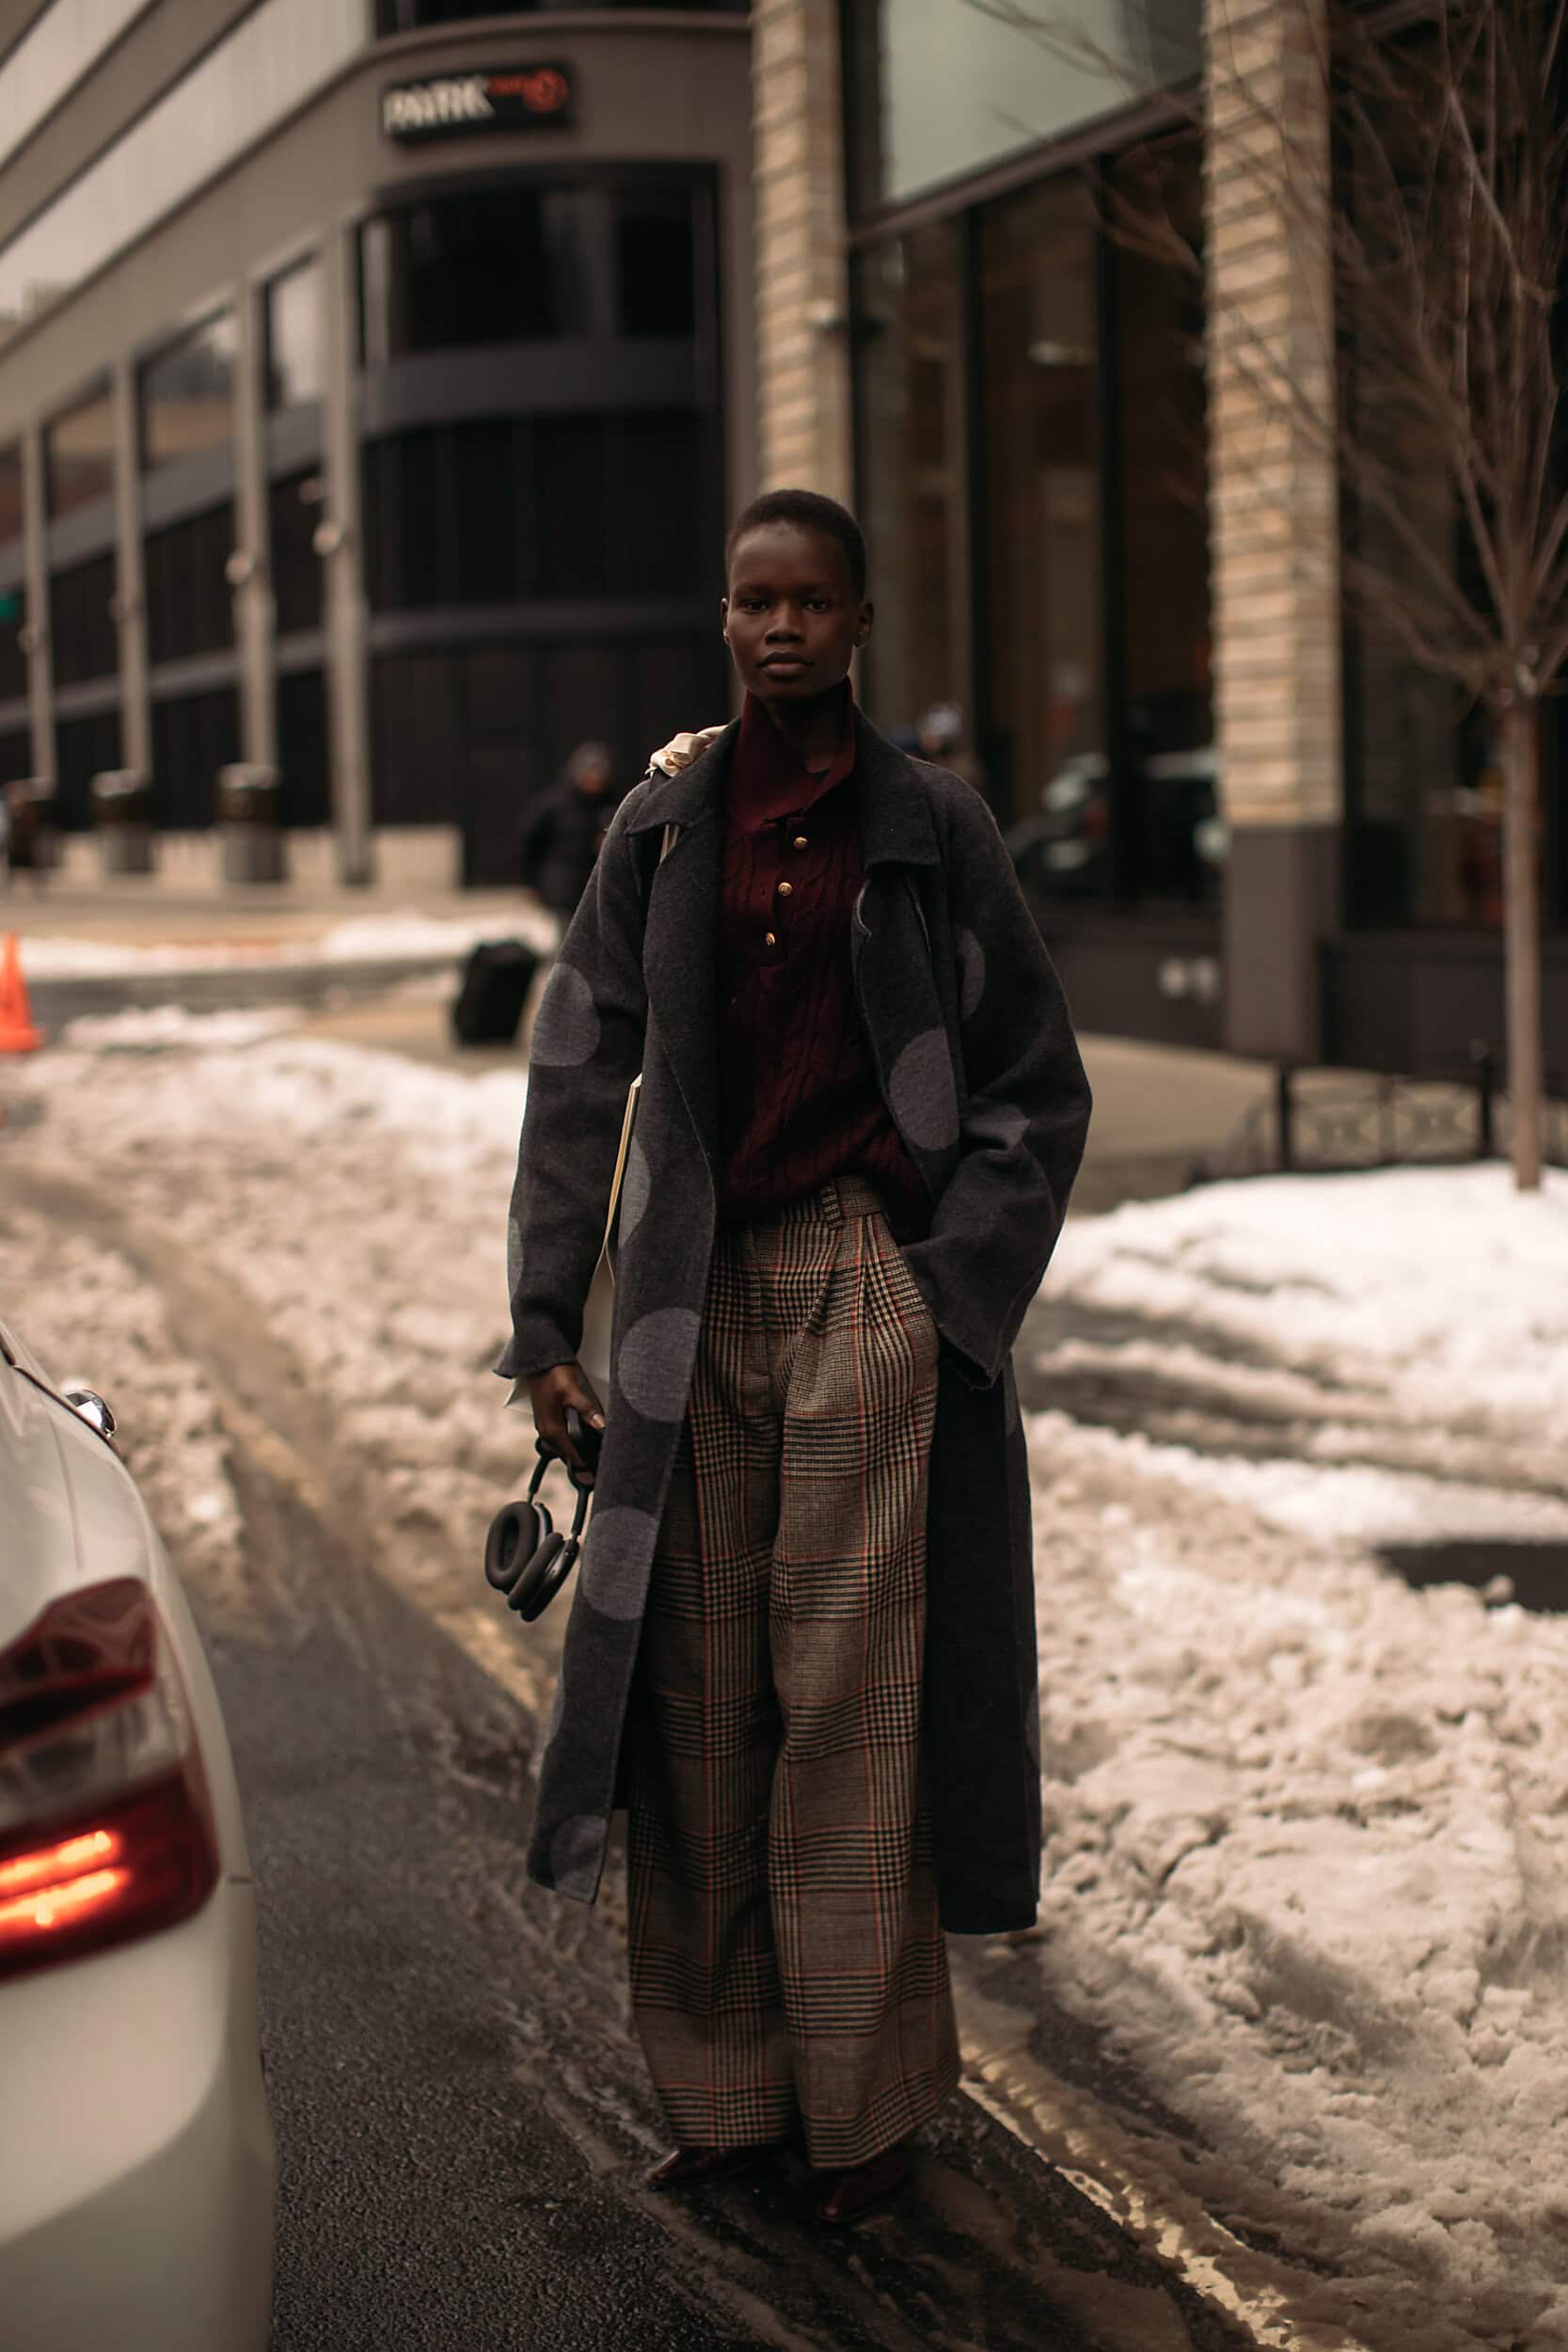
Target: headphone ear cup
[(516, 1535), (539, 1583)]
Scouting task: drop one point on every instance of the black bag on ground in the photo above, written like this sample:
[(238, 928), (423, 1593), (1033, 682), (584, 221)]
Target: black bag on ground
[(492, 993)]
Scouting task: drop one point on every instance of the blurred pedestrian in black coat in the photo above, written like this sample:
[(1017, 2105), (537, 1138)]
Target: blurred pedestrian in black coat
[(566, 827)]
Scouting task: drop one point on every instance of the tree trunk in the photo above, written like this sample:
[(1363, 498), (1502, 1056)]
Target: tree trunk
[(1521, 759)]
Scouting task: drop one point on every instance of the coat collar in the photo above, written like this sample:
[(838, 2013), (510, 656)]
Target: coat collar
[(897, 828)]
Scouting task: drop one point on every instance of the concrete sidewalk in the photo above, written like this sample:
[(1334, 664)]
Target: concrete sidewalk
[(1157, 1108)]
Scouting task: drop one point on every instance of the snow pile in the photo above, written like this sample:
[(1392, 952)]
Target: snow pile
[(95, 1320), (403, 934), (1444, 1280), (1307, 1862)]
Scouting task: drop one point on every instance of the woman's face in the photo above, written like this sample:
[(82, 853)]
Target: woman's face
[(791, 617)]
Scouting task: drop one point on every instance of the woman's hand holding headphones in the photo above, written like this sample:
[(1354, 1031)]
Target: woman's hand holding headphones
[(552, 1395)]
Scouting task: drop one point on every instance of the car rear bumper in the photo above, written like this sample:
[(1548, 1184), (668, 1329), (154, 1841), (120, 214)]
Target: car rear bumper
[(136, 2163)]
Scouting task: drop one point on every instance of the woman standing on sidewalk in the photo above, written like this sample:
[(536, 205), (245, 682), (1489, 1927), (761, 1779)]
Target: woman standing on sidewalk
[(801, 1645)]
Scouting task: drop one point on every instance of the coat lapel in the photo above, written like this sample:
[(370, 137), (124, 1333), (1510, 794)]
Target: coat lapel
[(680, 946)]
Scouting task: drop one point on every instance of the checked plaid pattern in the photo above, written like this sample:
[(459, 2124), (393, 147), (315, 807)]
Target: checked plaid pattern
[(786, 1958)]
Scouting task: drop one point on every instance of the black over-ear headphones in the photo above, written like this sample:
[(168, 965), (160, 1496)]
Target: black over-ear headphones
[(524, 1556)]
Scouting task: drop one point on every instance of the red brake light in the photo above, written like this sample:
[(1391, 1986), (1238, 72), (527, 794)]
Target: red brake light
[(105, 1823)]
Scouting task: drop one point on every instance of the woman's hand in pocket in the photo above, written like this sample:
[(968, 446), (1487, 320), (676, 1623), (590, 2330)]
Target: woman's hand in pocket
[(554, 1393)]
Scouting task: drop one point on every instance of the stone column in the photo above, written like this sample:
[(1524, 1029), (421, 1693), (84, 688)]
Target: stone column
[(135, 698), (804, 408), (40, 666), (338, 542), (250, 566), (1273, 516)]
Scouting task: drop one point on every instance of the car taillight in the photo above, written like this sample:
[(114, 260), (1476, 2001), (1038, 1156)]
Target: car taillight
[(105, 1822)]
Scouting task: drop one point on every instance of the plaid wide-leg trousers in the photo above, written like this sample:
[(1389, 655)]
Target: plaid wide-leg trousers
[(786, 1956)]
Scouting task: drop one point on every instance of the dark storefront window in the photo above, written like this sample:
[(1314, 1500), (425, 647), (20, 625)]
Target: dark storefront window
[(84, 748), (16, 758), (915, 473), (189, 605), (1031, 433), (79, 455), (1044, 593), (656, 275), (83, 640), (193, 737), (405, 16), (493, 724), (1170, 838), (11, 512), (13, 661), (494, 266), (304, 754), (187, 394), (504, 509), (525, 261), (295, 356), (293, 510)]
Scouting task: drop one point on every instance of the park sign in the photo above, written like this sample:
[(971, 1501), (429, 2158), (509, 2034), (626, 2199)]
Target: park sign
[(506, 97)]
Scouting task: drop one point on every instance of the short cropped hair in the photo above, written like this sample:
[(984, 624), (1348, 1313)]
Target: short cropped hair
[(810, 511)]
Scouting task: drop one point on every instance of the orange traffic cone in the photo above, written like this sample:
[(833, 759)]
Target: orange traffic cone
[(17, 1033)]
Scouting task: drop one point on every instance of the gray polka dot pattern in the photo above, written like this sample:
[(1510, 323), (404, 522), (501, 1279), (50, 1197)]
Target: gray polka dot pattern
[(636, 1191), (575, 1848), (655, 1361), (921, 1093), (998, 1124), (566, 1032), (972, 973), (615, 1560)]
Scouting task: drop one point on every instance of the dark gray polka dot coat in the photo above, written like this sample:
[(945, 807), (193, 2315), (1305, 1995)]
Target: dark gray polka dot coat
[(971, 1037)]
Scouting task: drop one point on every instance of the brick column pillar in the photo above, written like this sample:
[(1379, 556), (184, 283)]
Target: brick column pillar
[(1273, 516), (803, 417)]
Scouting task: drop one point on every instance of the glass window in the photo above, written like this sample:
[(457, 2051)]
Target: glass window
[(13, 661), (187, 393), (938, 90), (12, 516), (497, 510), (79, 455), (570, 457), (656, 274), (293, 510), (84, 640), (1046, 742), (295, 353), (16, 756), (495, 265), (275, 57), (193, 737), (190, 605), (915, 481), (84, 748), (1171, 841), (304, 752)]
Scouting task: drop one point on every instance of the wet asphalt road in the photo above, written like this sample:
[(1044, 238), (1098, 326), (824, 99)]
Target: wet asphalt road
[(462, 2120)]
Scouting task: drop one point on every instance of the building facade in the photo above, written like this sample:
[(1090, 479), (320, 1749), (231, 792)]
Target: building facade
[(1244, 820), (374, 379)]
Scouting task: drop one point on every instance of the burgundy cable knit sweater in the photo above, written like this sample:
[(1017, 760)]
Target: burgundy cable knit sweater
[(800, 1102)]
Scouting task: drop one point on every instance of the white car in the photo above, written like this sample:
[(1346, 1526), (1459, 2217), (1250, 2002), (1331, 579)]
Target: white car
[(136, 2163)]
